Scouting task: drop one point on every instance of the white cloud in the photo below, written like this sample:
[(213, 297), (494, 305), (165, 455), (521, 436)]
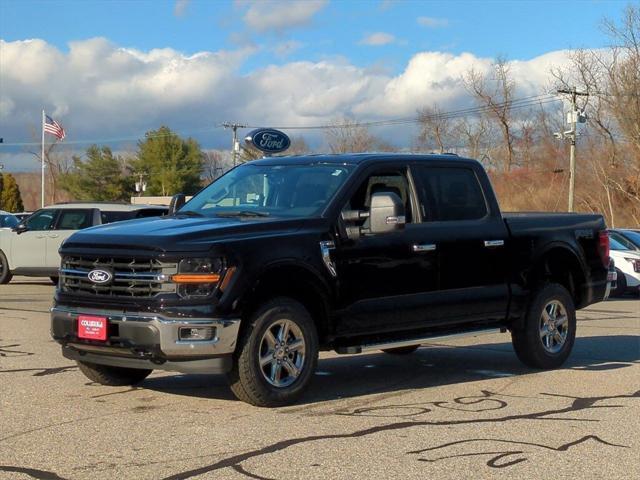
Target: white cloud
[(378, 39), (284, 49), (431, 22), (100, 91), (279, 15), (180, 7)]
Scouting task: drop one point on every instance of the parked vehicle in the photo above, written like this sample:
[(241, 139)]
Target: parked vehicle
[(627, 263), (7, 220), (31, 247), (285, 256)]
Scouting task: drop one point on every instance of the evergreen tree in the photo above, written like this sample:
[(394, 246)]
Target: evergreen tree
[(99, 178), (171, 164), (10, 198)]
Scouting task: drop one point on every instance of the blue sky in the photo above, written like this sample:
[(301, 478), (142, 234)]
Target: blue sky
[(516, 29), (111, 70)]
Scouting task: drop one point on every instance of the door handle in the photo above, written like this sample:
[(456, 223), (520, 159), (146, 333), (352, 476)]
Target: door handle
[(55, 235), (424, 247), (493, 243), (39, 236)]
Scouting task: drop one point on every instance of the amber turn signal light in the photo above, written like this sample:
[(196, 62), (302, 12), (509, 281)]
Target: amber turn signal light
[(196, 278)]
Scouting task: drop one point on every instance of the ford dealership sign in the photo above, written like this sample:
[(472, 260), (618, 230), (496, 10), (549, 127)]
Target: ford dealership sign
[(268, 140)]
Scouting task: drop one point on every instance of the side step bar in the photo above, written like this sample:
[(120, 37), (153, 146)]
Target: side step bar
[(353, 349)]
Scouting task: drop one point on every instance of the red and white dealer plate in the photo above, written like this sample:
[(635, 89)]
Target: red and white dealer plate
[(92, 328)]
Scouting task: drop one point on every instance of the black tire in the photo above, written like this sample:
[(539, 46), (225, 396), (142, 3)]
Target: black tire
[(54, 280), (5, 274), (401, 350), (621, 285), (546, 352), (112, 376), (248, 380)]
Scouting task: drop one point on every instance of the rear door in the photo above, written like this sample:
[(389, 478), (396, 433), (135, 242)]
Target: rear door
[(468, 232)]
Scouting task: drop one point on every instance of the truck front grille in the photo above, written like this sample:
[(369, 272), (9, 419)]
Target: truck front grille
[(130, 277)]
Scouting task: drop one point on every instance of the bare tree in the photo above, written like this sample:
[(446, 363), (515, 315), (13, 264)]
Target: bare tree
[(474, 135), (435, 128), (212, 165), (495, 92), (348, 136)]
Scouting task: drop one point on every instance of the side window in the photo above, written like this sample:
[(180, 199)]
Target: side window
[(74, 219), (110, 217), (450, 194), (41, 220), (383, 181)]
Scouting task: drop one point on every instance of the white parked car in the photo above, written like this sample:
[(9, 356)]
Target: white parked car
[(31, 247), (627, 266)]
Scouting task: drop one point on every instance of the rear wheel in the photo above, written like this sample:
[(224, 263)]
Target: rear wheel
[(276, 355), (112, 376), (401, 350), (5, 273), (549, 331)]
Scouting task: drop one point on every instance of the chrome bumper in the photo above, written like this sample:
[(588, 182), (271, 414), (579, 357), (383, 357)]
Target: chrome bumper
[(145, 338)]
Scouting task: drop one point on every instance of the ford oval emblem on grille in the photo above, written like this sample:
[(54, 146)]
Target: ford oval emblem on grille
[(100, 276)]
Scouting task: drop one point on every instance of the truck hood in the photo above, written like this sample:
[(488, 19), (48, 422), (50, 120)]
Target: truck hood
[(181, 233)]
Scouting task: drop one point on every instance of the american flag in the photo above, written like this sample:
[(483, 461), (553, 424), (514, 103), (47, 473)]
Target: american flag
[(53, 127)]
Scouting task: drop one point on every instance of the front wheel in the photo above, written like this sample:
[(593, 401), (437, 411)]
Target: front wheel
[(5, 273), (276, 356), (549, 330), (112, 376)]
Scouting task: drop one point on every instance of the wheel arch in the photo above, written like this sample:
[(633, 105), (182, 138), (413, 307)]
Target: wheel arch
[(559, 263), (299, 282)]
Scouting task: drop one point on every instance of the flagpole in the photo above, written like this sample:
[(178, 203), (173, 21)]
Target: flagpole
[(42, 159)]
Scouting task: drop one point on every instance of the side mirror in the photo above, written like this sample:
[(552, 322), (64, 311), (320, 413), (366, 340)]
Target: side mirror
[(20, 228), (386, 213), (177, 201)]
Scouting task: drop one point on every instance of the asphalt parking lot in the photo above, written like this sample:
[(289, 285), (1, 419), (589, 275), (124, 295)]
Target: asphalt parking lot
[(464, 408)]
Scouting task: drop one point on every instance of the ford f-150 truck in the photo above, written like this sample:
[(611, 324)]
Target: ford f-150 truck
[(286, 256)]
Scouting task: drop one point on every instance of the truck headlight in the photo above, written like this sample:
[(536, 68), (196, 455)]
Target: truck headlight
[(198, 277)]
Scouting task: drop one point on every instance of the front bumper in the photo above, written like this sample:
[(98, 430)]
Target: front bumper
[(144, 340)]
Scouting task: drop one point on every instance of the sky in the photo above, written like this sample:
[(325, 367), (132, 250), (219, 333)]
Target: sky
[(109, 71)]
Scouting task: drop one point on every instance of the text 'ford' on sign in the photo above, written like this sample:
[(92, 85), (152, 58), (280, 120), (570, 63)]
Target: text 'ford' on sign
[(268, 140)]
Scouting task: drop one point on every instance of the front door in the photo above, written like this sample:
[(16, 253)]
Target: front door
[(29, 248), (382, 279)]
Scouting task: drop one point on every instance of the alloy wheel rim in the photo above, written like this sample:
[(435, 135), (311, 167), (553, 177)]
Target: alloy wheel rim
[(282, 353), (554, 326)]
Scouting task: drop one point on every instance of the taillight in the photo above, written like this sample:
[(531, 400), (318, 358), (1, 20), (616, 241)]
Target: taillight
[(603, 247)]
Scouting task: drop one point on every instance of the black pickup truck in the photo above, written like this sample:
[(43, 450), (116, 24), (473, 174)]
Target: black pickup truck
[(286, 256)]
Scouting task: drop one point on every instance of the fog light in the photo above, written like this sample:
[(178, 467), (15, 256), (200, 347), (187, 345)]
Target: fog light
[(197, 333)]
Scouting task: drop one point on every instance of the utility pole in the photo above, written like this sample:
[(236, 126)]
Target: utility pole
[(573, 117), (235, 146)]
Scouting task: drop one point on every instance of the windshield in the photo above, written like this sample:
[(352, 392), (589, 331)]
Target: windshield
[(278, 190), (616, 245), (633, 236)]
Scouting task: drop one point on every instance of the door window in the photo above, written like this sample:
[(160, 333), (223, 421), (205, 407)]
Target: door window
[(41, 220), (382, 181), (450, 194), (74, 219)]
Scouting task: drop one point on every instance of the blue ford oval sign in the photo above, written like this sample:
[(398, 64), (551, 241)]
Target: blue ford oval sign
[(100, 276), (268, 140)]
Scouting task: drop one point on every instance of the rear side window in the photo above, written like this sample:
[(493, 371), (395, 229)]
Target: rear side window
[(110, 217), (74, 219), (449, 194)]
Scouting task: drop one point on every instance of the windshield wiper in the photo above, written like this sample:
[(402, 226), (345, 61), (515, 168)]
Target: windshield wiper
[(189, 213), (241, 213)]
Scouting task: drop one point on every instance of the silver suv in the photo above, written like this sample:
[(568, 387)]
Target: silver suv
[(31, 247)]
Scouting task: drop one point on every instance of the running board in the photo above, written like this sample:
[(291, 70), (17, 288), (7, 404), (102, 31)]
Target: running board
[(353, 349)]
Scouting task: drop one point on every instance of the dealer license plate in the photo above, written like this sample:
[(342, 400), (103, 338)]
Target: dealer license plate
[(92, 328)]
